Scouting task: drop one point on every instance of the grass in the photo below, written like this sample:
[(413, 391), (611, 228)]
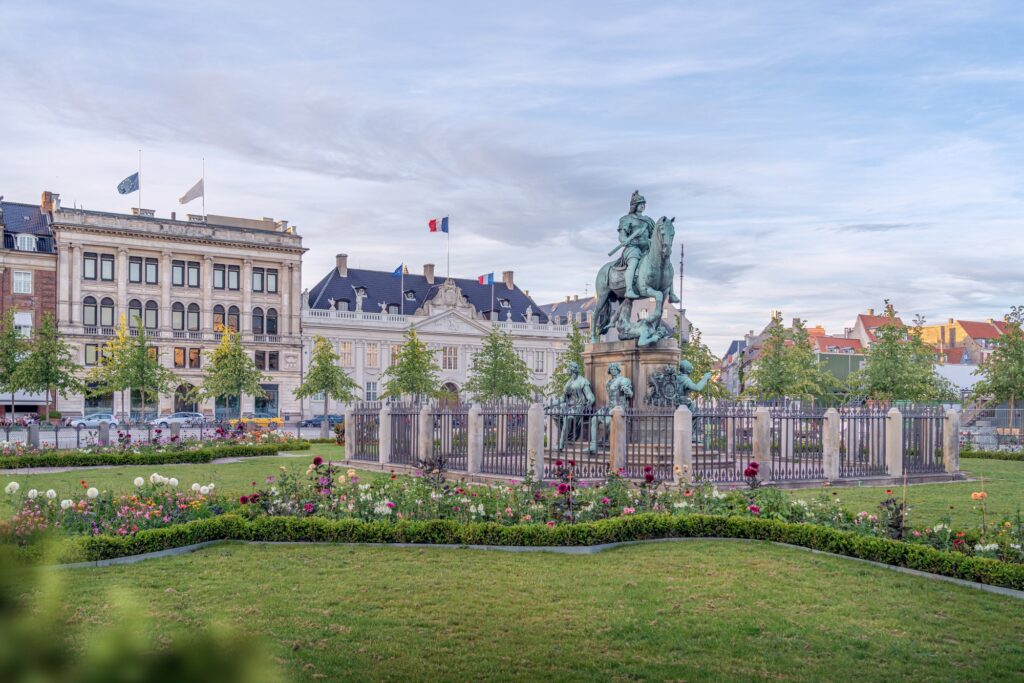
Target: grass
[(694, 611)]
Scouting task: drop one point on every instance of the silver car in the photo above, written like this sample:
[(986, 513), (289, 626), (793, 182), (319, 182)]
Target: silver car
[(185, 419), (93, 421)]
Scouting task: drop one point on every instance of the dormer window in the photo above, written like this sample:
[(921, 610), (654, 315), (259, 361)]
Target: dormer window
[(505, 303), (26, 243)]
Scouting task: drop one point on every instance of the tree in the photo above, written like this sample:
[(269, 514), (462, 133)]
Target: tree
[(1003, 371), (142, 370), (107, 376), (49, 365), (574, 352), (768, 377), (326, 376), (12, 352), (807, 377), (415, 372), (787, 366), (703, 360), (498, 371), (230, 372)]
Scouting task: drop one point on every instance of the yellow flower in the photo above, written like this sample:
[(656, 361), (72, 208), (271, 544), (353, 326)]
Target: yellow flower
[(341, 479), (351, 473)]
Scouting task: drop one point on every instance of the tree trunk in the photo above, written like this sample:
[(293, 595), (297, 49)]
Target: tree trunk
[(326, 426)]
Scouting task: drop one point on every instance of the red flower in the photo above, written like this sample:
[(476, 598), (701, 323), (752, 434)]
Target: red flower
[(754, 465), (308, 507), (572, 463), (244, 500), (563, 488), (749, 472), (558, 463), (318, 461), (648, 468), (754, 510), (888, 492), (649, 477), (551, 525)]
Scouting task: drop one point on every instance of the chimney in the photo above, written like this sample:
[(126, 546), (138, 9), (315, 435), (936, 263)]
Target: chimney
[(871, 311), (950, 322), (990, 321), (341, 262), (174, 215), (847, 331), (428, 272), (507, 277), (567, 298), (50, 202), (796, 321), (575, 297)]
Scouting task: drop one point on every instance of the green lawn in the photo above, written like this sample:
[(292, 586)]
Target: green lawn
[(694, 611)]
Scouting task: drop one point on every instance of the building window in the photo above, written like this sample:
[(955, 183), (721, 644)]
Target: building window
[(273, 360), (89, 311), (26, 243), (152, 271), (134, 269), (372, 356), (345, 354), (257, 279), (107, 267), (271, 280), (134, 314), (267, 404), (195, 358), (395, 350), (271, 321), (23, 282), (107, 312), (193, 273), (23, 323), (179, 356), (218, 317), (89, 265), (218, 276), (538, 361), (178, 316), (257, 320), (371, 391), (152, 315), (192, 319), (178, 273), (233, 277), (233, 318), (92, 354), (260, 358), (449, 358)]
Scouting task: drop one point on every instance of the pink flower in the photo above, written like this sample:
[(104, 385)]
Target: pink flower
[(508, 511), (318, 461), (308, 507), (754, 509), (527, 518), (917, 534), (390, 504), (563, 488), (551, 524), (606, 501), (628, 511)]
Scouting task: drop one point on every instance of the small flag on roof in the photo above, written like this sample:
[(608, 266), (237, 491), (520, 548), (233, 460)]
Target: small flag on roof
[(131, 184), (486, 279), (438, 224), (399, 271)]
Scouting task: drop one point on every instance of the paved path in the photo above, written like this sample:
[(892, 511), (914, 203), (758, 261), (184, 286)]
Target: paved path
[(215, 461)]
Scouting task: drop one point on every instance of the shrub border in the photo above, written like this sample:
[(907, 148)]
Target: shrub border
[(992, 455), (616, 530), (206, 454)]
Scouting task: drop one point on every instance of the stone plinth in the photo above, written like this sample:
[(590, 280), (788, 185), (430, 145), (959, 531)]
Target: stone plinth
[(637, 364)]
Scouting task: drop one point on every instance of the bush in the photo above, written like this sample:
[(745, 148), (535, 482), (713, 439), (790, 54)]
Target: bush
[(73, 458), (993, 455), (614, 530)]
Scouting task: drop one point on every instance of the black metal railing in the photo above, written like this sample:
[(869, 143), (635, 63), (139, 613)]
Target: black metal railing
[(862, 442), (362, 437), (649, 442), (569, 440), (797, 444), (505, 432), (922, 439), (451, 435), (405, 418), (723, 441)]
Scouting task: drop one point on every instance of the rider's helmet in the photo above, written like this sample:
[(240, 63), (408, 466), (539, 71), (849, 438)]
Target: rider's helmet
[(636, 199)]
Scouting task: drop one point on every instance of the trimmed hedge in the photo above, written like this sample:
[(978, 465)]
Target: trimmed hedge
[(993, 455), (71, 458), (619, 529)]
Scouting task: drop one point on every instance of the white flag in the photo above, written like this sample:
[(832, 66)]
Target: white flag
[(194, 193)]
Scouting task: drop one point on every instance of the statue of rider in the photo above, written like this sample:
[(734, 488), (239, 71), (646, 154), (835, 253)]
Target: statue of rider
[(635, 230)]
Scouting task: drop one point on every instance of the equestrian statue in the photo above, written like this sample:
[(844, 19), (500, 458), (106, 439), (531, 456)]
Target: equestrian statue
[(643, 271)]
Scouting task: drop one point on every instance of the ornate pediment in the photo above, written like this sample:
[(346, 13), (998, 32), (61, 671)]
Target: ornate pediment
[(448, 297)]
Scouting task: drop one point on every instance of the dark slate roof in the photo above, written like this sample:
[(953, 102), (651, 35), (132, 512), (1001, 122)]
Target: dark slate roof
[(382, 287), (25, 218), (736, 346), (564, 312)]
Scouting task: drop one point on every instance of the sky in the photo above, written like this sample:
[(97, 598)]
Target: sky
[(819, 157)]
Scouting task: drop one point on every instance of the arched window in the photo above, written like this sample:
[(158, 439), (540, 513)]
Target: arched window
[(193, 317), (233, 317), (178, 316), (89, 311), (152, 319), (271, 321), (257, 320), (107, 312), (135, 314), (218, 317)]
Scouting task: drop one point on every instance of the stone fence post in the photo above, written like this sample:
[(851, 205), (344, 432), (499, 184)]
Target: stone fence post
[(175, 428), (830, 444), (763, 439), (682, 445), (951, 441), (475, 439), (894, 442), (350, 428), (617, 439), (535, 440), (426, 433), (383, 434), (33, 436), (104, 439)]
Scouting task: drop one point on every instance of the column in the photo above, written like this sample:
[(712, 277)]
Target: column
[(763, 440), (245, 320), (383, 434), (475, 437), (830, 444), (535, 440), (682, 445), (206, 282), (284, 288), (951, 442), (165, 291), (617, 439), (894, 442), (426, 433), (74, 297), (122, 282), (295, 294)]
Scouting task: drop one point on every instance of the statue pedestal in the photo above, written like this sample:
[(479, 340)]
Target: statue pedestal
[(637, 363)]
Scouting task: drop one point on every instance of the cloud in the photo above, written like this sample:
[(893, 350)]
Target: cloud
[(876, 227)]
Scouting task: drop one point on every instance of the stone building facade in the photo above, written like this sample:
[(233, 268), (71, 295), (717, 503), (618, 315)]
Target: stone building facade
[(181, 280)]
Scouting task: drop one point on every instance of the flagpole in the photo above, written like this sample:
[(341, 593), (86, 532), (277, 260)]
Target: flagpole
[(401, 292), (140, 182), (449, 252), (204, 188), (491, 312)]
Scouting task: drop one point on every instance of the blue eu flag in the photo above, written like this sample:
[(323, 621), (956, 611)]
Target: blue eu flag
[(129, 184)]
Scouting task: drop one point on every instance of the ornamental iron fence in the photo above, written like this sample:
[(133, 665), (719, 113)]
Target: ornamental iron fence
[(723, 441), (451, 435), (862, 442), (797, 444), (649, 434), (405, 420), (504, 436), (363, 435), (568, 439), (922, 439)]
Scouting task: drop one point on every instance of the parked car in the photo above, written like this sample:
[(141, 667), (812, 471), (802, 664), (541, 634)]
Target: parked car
[(262, 420), (319, 420), (93, 421), (185, 419)]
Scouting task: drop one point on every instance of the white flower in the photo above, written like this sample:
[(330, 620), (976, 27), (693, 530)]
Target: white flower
[(153, 478), (51, 494), (211, 486), (93, 492), (205, 490), (139, 481), (65, 504), (32, 493), (172, 481), (195, 487), (12, 488), (986, 548), (939, 527)]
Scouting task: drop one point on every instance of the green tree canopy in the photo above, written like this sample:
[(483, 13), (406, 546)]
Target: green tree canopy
[(230, 372), (497, 371), (787, 366), (769, 375), (415, 371), (703, 360), (326, 376), (573, 352), (1003, 371), (13, 348), (50, 365)]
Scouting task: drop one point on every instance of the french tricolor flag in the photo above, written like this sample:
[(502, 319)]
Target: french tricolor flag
[(438, 224), (486, 279)]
